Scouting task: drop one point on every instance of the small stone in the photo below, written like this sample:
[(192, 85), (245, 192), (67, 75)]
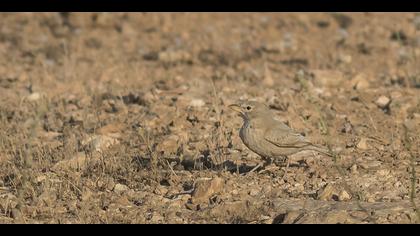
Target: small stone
[(86, 195), (323, 175), (34, 97), (360, 82), (120, 188), (41, 178), (363, 144), (396, 95), (113, 106), (48, 197), (383, 172), (344, 196), (75, 163), (298, 187), (383, 102), (161, 190), (106, 183), (272, 47), (346, 58), (190, 206), (336, 217), (99, 142), (353, 169), (347, 127), (50, 136), (111, 130), (359, 215), (157, 218), (328, 78), (16, 214), (71, 107), (128, 30), (23, 77), (268, 78), (185, 198), (76, 117), (397, 184), (169, 145), (197, 103), (205, 188), (174, 56), (370, 199), (370, 164), (253, 192), (327, 193), (410, 124)]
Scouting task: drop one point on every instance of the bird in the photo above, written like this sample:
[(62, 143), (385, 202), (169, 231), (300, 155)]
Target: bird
[(268, 137)]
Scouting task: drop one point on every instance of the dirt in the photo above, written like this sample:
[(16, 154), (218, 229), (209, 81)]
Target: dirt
[(123, 118)]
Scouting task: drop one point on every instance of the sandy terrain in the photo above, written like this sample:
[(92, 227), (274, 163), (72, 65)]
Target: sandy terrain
[(123, 118)]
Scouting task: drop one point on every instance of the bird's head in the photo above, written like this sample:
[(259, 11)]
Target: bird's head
[(250, 109)]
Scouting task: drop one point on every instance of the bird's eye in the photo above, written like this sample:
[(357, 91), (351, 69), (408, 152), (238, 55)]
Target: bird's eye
[(248, 108)]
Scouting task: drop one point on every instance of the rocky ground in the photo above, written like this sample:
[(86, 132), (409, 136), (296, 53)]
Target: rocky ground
[(123, 118)]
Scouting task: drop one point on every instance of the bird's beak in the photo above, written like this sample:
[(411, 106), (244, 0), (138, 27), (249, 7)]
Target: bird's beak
[(238, 109), (235, 107)]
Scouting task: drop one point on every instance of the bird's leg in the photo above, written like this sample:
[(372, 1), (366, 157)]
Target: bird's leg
[(266, 162), (286, 169), (256, 167)]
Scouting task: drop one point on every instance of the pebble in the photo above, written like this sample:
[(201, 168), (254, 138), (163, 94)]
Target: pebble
[(383, 102), (120, 188), (77, 162), (363, 144), (327, 193), (100, 142), (344, 196), (205, 188), (197, 103), (253, 192), (34, 97), (360, 82), (370, 164), (353, 169), (328, 78)]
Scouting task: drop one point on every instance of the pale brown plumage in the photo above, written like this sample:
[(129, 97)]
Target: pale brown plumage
[(268, 137)]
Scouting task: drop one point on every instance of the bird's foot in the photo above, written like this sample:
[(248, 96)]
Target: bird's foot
[(269, 168), (256, 167)]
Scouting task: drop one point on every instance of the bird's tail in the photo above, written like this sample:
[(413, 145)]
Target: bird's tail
[(320, 149)]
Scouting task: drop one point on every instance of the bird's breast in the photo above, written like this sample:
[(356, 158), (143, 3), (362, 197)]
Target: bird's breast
[(253, 138), (245, 133)]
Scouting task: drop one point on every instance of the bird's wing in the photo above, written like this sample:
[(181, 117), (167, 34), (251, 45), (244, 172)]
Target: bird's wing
[(285, 137)]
